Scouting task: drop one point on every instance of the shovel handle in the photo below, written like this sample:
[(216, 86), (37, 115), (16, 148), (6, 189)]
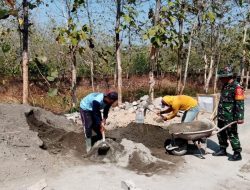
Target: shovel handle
[(103, 136)]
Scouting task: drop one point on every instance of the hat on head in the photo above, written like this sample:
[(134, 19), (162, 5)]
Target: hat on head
[(225, 72), (112, 95)]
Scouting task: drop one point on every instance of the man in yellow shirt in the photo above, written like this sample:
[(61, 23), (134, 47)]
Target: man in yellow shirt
[(181, 102)]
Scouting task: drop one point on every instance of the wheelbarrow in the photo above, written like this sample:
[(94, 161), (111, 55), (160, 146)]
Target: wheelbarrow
[(178, 143)]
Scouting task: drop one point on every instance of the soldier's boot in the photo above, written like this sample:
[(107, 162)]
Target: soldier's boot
[(236, 156), (88, 144), (221, 152)]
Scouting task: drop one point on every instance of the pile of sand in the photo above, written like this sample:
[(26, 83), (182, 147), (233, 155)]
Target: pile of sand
[(131, 155), (32, 135), (56, 136), (194, 126)]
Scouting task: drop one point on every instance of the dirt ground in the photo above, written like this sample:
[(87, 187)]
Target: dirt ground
[(40, 150)]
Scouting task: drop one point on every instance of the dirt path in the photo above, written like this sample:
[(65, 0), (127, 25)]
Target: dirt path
[(38, 147), (194, 173)]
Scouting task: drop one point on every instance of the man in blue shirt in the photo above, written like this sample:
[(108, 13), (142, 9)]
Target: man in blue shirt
[(91, 116)]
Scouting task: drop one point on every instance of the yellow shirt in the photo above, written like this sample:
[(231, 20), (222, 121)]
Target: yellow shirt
[(181, 102)]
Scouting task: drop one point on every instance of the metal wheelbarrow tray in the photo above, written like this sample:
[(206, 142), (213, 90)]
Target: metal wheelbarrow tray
[(196, 131)]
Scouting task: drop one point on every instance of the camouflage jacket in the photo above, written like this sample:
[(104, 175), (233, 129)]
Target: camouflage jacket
[(231, 104)]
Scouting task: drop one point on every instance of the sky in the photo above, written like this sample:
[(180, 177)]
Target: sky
[(102, 15)]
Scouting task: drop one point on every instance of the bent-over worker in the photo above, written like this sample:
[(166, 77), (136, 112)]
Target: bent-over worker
[(90, 110), (180, 102)]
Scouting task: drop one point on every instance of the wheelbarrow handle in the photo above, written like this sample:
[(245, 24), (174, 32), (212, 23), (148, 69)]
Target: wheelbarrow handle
[(226, 126)]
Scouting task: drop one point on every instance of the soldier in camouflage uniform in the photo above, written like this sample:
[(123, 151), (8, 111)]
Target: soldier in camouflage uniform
[(231, 108)]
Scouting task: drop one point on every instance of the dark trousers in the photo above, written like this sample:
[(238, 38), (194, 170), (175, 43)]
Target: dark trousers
[(89, 125), (229, 133)]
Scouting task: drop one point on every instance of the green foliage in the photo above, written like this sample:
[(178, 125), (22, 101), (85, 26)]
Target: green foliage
[(128, 16), (6, 47), (37, 68), (165, 33), (77, 4), (209, 16), (76, 35), (52, 92), (53, 74), (73, 36), (74, 109), (140, 65), (4, 13)]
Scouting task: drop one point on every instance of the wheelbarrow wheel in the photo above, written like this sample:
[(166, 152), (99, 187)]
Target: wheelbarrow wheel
[(180, 143)]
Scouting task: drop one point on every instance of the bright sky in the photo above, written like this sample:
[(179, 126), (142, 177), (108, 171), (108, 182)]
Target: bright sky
[(102, 15)]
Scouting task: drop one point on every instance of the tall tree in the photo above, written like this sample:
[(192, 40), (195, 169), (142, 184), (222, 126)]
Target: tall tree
[(74, 37), (118, 50), (91, 44), (180, 18), (188, 57), (25, 59), (23, 25), (154, 49), (154, 52), (122, 22), (212, 14)]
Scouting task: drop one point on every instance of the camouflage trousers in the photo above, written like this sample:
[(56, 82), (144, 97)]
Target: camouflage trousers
[(230, 134)]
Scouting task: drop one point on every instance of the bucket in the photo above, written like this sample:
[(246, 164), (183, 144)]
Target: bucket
[(139, 117)]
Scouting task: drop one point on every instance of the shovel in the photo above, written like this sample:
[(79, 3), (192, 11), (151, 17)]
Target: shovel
[(103, 147), (147, 108)]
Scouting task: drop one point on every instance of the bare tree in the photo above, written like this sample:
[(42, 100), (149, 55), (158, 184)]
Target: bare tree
[(118, 50), (187, 60), (243, 61), (180, 49), (91, 46), (25, 56), (154, 53)]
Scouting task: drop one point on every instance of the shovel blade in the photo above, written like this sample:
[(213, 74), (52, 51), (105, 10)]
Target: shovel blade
[(103, 149)]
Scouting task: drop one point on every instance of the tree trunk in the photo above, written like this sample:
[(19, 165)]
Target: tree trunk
[(73, 82), (179, 58), (210, 73), (90, 49), (154, 52), (211, 64), (115, 75), (129, 51), (243, 62), (205, 68), (187, 60), (119, 74), (151, 86), (247, 78), (216, 75), (118, 52), (92, 73), (25, 57), (153, 58)]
